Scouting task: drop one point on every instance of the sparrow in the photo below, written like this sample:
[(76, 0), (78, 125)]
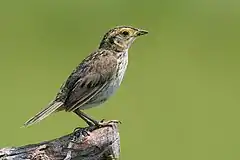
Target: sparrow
[(96, 78)]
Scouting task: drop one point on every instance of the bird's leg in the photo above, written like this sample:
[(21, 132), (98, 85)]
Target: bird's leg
[(102, 123), (90, 121)]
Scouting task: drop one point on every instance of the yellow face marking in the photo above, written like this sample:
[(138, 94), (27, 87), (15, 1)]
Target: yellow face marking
[(126, 31)]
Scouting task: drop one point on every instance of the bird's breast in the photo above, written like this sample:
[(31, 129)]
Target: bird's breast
[(117, 79), (113, 85)]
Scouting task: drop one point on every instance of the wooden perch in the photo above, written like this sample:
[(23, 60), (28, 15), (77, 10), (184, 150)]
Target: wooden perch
[(100, 144)]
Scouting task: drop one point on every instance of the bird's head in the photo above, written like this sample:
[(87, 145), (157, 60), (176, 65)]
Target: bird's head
[(120, 38)]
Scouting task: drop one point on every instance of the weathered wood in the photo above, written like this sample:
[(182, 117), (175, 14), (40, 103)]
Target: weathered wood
[(100, 144)]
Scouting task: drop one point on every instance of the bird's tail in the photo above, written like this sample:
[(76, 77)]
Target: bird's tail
[(53, 106)]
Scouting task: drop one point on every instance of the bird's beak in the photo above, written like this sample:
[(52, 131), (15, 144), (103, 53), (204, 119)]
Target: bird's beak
[(141, 32)]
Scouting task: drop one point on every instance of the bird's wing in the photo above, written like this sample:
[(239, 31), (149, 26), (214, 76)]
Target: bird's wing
[(91, 76)]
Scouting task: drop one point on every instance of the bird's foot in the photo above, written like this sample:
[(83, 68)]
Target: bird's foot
[(104, 123)]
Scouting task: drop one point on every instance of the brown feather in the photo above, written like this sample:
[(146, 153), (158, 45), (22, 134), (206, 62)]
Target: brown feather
[(97, 74)]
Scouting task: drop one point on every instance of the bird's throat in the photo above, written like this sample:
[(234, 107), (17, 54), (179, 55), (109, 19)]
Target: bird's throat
[(116, 46)]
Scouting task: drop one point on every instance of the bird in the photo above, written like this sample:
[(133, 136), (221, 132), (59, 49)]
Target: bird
[(96, 78)]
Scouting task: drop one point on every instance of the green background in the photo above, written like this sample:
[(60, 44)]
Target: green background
[(180, 96)]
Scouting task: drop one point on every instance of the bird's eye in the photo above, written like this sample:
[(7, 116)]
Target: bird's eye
[(125, 33)]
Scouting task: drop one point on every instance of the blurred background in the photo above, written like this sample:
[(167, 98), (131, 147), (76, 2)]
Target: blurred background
[(179, 99)]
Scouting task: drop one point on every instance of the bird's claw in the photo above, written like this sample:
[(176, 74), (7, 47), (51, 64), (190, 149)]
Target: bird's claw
[(104, 123)]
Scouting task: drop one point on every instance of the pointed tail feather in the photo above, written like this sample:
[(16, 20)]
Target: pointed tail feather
[(53, 106)]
